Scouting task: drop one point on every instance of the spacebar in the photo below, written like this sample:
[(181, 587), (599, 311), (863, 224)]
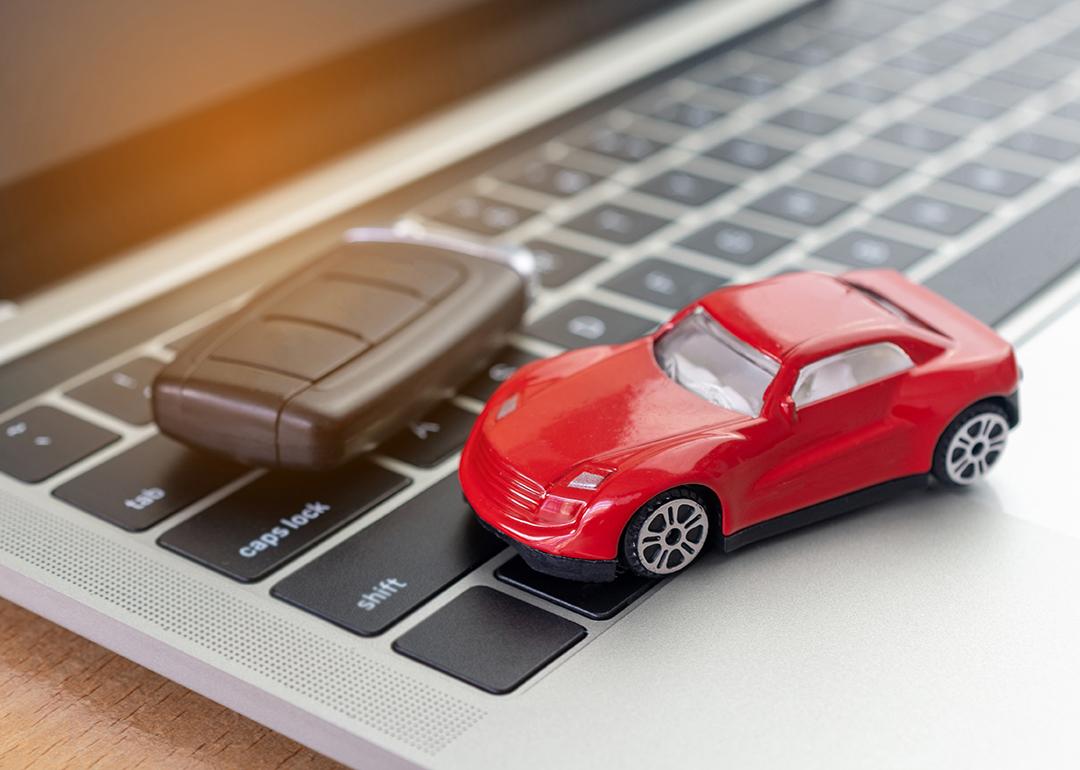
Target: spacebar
[(1003, 274)]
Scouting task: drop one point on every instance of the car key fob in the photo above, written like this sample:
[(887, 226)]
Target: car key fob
[(324, 364)]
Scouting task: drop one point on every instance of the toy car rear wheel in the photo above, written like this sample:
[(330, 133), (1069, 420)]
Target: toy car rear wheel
[(667, 533), (971, 445)]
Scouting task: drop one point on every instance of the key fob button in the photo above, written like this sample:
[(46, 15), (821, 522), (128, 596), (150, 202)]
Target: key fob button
[(289, 347), (400, 266), (368, 311)]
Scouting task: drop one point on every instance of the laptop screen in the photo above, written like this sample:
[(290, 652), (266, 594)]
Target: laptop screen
[(90, 74), (125, 119)]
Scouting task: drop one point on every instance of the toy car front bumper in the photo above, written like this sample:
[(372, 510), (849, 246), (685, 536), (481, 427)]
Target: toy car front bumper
[(566, 567)]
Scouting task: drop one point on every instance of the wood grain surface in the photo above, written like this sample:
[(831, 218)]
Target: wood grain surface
[(67, 703)]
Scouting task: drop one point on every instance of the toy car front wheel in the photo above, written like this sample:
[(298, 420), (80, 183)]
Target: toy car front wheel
[(971, 445), (667, 533)]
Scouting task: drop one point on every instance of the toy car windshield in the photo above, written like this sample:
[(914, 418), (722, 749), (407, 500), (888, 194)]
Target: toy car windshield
[(706, 359)]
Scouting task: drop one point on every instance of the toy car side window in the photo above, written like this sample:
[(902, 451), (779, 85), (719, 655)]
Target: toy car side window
[(850, 369)]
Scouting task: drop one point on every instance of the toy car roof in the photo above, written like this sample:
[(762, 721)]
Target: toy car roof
[(781, 313)]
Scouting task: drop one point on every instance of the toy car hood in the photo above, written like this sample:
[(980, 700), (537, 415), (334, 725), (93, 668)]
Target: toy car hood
[(604, 412)]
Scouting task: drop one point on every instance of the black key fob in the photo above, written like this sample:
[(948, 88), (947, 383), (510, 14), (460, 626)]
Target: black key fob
[(326, 363)]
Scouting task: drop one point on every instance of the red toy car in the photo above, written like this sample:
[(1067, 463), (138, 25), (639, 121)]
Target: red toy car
[(757, 409)]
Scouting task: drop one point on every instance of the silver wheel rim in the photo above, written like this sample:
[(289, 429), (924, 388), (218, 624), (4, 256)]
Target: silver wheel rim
[(672, 536), (976, 447)]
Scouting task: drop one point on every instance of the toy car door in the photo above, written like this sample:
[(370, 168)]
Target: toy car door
[(845, 434)]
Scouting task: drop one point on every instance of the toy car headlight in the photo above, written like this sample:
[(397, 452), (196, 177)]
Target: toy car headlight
[(586, 480), (589, 477), (566, 500), (508, 407)]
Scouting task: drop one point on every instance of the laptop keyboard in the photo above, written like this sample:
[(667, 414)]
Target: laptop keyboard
[(930, 137)]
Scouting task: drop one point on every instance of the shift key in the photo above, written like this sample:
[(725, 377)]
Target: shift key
[(388, 569), (268, 523)]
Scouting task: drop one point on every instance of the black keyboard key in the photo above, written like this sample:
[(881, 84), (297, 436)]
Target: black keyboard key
[(1028, 10), (1070, 111), (1066, 45), (827, 105), (748, 153), (649, 102), (805, 54), (482, 215), (821, 49), (581, 323), (270, 522), (945, 50), (996, 91), (148, 483), (684, 187), (916, 137), (890, 78), (984, 30), (768, 42), (43, 441), (807, 121), (597, 601), (504, 364), (990, 179), (687, 114), (124, 392), (429, 440), (551, 178), (802, 206), (910, 6), (1036, 71), (735, 243), (610, 143), (556, 264), (1014, 266), (970, 106), (863, 91), (862, 249), (932, 214), (866, 21), (490, 640), (616, 223), (933, 56), (664, 283), (1020, 79), (916, 62), (860, 170), (388, 569), (753, 83), (1043, 146)]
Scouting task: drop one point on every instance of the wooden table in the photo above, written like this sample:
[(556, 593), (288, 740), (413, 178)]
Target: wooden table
[(66, 702)]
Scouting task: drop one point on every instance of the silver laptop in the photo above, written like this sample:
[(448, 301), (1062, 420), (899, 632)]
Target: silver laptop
[(159, 163)]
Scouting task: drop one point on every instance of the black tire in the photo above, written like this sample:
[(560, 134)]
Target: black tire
[(694, 520), (962, 460)]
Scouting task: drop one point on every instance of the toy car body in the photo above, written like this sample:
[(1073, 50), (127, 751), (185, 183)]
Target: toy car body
[(756, 409)]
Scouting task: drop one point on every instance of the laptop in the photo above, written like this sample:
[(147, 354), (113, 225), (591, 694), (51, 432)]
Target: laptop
[(161, 163)]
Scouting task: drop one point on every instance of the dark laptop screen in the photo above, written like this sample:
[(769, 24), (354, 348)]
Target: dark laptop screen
[(125, 119)]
